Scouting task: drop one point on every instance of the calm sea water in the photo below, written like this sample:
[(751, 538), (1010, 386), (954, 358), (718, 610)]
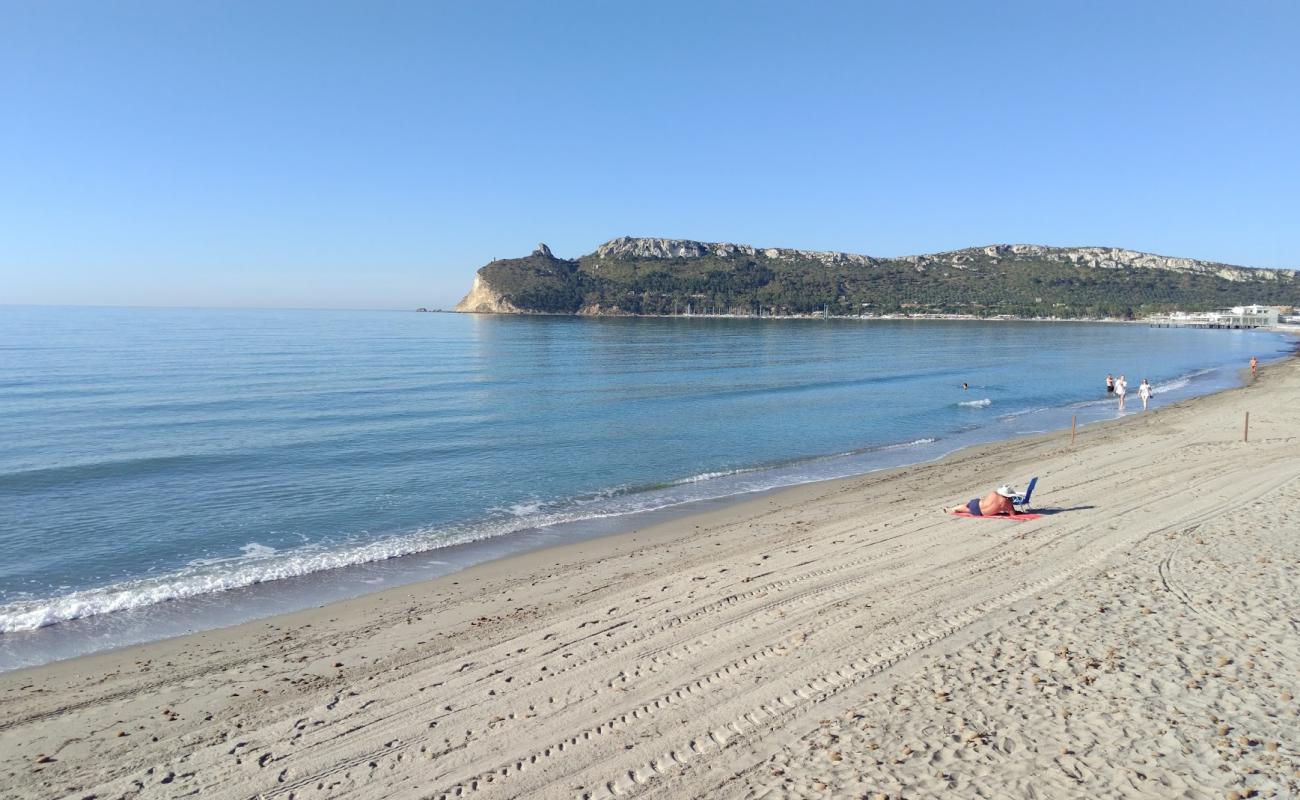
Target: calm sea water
[(152, 461)]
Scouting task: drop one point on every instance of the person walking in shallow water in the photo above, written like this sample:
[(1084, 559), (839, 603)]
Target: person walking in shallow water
[(1110, 383), (1121, 389), (1144, 392), (1254, 368)]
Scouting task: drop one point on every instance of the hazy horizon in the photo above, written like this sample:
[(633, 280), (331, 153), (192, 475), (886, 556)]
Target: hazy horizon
[(469, 277)]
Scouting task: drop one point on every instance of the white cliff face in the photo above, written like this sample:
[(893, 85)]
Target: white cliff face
[(1112, 258), (483, 299), (1094, 257), (634, 247)]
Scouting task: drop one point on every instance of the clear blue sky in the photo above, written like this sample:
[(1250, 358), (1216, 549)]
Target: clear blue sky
[(373, 155)]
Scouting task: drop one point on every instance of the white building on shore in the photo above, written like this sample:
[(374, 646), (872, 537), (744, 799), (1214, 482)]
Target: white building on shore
[(1253, 316)]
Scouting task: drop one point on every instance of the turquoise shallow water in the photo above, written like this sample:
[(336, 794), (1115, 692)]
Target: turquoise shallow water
[(153, 457)]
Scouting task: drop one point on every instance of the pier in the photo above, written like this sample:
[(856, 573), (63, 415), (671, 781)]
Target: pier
[(1236, 318)]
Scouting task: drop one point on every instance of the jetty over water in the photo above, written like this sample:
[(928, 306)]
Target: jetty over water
[(1238, 317)]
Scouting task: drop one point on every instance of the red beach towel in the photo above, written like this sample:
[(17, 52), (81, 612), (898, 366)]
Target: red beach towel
[(1016, 518)]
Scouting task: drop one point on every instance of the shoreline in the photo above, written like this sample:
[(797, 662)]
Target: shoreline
[(698, 656), (1292, 328), (780, 317), (266, 600)]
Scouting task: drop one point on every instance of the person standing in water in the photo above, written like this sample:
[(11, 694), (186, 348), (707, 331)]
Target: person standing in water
[(1144, 392), (1110, 383), (1254, 367), (1121, 389)]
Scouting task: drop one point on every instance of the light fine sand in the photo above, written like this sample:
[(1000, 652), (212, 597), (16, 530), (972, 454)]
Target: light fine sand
[(842, 639)]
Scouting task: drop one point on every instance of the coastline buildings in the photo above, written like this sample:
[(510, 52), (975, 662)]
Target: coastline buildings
[(1252, 316)]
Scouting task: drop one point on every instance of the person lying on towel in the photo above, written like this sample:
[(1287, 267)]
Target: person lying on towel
[(998, 501)]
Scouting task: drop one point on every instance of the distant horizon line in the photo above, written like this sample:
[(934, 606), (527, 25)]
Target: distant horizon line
[(213, 308)]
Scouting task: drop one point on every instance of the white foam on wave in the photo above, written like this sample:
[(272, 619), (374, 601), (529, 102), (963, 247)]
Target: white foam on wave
[(709, 476), (913, 443), (976, 403), (524, 509), (1176, 383), (250, 550), (262, 564), (1171, 385)]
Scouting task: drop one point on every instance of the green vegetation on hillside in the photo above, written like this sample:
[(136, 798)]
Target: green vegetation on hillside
[(1027, 286)]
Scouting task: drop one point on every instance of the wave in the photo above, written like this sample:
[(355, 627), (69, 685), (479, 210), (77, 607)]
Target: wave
[(258, 563), (524, 509), (976, 403), (1173, 384), (913, 443), (1178, 382), (112, 469), (708, 476)]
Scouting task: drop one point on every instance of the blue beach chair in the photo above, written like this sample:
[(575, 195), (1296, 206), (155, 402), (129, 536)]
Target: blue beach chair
[(1021, 501)]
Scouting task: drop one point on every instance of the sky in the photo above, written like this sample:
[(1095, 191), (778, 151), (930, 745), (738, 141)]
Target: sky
[(375, 154)]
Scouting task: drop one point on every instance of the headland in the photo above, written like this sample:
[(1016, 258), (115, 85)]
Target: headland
[(636, 276)]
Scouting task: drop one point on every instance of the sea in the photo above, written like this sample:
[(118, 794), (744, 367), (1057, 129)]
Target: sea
[(171, 470)]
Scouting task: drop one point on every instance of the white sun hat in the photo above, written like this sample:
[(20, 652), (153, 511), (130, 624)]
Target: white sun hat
[(1007, 491)]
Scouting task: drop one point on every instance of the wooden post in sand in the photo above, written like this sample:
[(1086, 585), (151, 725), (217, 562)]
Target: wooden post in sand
[(1245, 429), (1074, 419)]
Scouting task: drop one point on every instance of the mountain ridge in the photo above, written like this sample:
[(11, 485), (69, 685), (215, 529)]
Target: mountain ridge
[(653, 275), (653, 247)]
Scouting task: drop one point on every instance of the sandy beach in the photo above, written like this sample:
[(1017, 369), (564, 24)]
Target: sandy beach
[(840, 639)]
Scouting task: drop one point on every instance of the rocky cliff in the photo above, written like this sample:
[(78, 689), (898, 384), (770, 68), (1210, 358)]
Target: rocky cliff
[(1094, 257), (483, 299), (631, 275), (488, 293), (1102, 258), (631, 247)]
